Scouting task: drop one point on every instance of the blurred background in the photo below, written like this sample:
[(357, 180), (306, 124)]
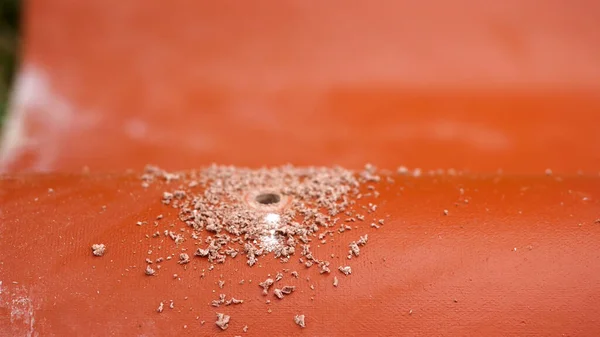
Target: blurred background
[(477, 86), (9, 42)]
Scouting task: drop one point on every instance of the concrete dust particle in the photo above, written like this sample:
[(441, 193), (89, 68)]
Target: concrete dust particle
[(160, 307), (335, 281), (278, 277), (295, 273), (222, 321), (299, 319), (98, 249), (234, 301), (245, 328), (149, 271), (278, 293), (288, 289), (345, 270), (353, 249), (548, 172), (265, 285), (402, 170), (446, 212), (171, 305), (221, 284)]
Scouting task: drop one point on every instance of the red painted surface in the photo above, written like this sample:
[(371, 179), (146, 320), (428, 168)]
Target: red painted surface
[(459, 274), (474, 85), (477, 86)]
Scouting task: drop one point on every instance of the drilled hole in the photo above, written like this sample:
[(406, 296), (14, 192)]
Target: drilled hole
[(268, 198)]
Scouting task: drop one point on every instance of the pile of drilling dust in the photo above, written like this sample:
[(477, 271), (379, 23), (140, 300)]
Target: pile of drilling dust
[(270, 211), (263, 210)]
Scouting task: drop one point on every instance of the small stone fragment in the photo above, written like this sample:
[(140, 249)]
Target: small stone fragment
[(245, 328), (345, 270), (265, 285), (288, 289), (299, 319), (335, 281), (222, 321), (98, 249), (160, 307), (149, 271)]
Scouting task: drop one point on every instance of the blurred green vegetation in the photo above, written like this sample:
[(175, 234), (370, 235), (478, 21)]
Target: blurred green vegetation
[(10, 17)]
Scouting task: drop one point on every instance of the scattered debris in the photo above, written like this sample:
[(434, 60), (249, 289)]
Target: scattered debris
[(335, 281), (160, 307), (345, 270), (445, 212), (548, 172), (234, 301), (280, 293), (265, 285), (299, 319), (149, 271), (245, 328), (98, 249), (295, 273), (221, 284), (184, 258), (222, 321), (278, 277)]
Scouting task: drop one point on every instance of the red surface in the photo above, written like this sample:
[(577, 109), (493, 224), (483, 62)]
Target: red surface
[(459, 274), (474, 85)]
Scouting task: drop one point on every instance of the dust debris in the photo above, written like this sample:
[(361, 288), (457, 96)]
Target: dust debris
[(258, 212), (374, 225), (345, 270), (265, 285), (172, 305), (402, 170), (335, 281), (245, 328), (233, 300), (446, 212), (149, 271), (280, 293), (160, 307), (299, 319), (353, 250), (548, 172), (288, 289), (98, 249), (324, 267), (222, 321)]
